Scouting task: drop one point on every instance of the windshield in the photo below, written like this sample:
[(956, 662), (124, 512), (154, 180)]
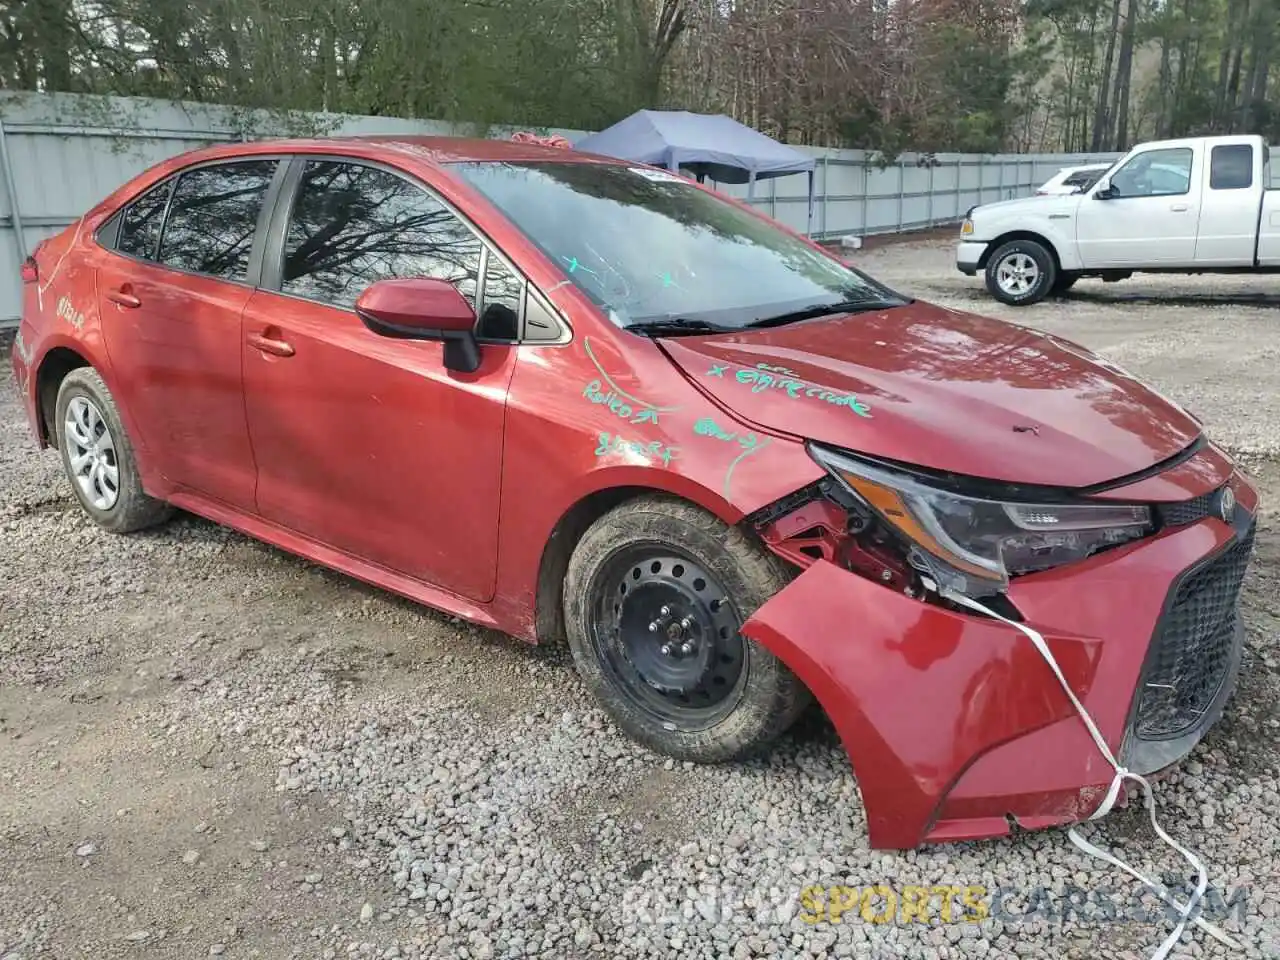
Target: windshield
[(648, 246)]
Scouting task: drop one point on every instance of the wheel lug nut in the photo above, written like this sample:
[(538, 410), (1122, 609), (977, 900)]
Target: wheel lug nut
[(686, 648), (653, 627), (666, 649), (665, 611), (686, 623)]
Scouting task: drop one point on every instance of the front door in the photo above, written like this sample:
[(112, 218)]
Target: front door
[(1151, 217), (171, 295), (365, 443)]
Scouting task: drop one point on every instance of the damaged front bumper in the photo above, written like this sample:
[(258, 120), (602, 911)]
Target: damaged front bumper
[(954, 724)]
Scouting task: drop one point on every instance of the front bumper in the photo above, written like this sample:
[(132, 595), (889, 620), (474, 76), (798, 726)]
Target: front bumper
[(955, 726), (969, 255)]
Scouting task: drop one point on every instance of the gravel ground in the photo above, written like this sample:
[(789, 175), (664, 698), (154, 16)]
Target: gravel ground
[(210, 748)]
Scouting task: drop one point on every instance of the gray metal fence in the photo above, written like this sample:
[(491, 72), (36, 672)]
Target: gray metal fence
[(62, 153)]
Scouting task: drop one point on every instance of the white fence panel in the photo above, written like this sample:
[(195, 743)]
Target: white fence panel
[(62, 153)]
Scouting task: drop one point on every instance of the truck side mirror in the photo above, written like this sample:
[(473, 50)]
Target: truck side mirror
[(1105, 191)]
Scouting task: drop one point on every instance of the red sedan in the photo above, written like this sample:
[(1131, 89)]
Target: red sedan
[(565, 396)]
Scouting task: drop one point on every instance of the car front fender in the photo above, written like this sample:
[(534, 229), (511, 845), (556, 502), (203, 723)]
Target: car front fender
[(1049, 218)]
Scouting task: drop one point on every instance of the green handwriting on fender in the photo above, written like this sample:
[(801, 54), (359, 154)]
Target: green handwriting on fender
[(762, 378), (617, 406), (749, 442), (653, 450), (706, 427), (839, 400)]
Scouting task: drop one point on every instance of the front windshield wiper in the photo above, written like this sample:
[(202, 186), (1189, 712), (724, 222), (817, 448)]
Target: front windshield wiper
[(815, 310), (670, 326)]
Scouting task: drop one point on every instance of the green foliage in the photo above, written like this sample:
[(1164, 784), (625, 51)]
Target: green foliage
[(953, 75), (1192, 67), (574, 63)]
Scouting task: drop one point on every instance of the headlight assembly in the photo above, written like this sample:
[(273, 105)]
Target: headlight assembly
[(975, 545)]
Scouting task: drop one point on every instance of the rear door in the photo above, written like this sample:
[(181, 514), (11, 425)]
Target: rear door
[(184, 263), (366, 443), (1150, 216), (1232, 194)]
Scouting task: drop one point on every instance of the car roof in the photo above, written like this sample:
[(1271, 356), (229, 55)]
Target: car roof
[(436, 150), (391, 149)]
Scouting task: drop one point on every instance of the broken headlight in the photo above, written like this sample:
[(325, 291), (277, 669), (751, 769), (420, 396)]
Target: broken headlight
[(974, 545)]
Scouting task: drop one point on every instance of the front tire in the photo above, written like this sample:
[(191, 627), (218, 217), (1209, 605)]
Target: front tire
[(98, 457), (1021, 272), (655, 595)]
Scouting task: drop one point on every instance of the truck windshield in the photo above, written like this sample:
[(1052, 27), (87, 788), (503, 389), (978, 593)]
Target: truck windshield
[(650, 248)]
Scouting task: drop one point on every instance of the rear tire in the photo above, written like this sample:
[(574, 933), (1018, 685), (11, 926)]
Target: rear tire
[(655, 595), (98, 457), (1021, 272)]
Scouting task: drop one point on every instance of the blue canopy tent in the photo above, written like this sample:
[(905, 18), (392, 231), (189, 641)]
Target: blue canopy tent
[(706, 145)]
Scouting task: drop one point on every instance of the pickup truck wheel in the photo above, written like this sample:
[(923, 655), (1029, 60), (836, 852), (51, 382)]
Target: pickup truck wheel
[(656, 593), (1021, 272)]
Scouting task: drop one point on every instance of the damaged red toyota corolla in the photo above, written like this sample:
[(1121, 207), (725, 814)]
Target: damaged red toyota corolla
[(565, 396)]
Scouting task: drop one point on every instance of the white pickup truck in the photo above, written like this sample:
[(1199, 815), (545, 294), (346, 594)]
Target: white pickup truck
[(1199, 205)]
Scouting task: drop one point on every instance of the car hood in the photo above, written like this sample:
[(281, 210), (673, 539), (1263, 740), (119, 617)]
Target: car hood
[(945, 390), (1038, 202)]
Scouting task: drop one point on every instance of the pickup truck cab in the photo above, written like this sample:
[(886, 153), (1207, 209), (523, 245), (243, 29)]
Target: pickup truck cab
[(1197, 205)]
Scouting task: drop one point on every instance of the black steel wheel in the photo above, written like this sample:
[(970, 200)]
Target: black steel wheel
[(655, 597), (668, 635)]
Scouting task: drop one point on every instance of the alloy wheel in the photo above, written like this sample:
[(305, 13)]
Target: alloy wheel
[(91, 453), (1017, 274)]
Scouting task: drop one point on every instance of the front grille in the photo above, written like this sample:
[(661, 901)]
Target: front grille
[(1193, 646), (1186, 511)]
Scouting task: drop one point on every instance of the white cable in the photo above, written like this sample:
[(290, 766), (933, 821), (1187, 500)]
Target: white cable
[(1188, 912)]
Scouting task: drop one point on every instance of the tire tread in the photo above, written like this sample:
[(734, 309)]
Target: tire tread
[(133, 510), (754, 725)]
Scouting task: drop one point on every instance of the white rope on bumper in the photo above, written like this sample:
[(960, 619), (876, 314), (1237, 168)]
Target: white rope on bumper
[(1188, 912)]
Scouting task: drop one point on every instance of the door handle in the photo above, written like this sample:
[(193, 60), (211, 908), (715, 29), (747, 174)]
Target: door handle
[(124, 298), (277, 348), (1180, 207)]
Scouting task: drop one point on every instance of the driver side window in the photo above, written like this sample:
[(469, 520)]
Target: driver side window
[(353, 225), (1154, 173)]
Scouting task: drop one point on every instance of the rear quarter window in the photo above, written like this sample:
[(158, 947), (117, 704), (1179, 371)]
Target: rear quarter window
[(1231, 167), (139, 229)]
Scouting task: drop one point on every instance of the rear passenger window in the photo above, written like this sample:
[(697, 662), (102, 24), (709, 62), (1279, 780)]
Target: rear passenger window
[(353, 225), (1231, 167), (213, 218), (140, 227)]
